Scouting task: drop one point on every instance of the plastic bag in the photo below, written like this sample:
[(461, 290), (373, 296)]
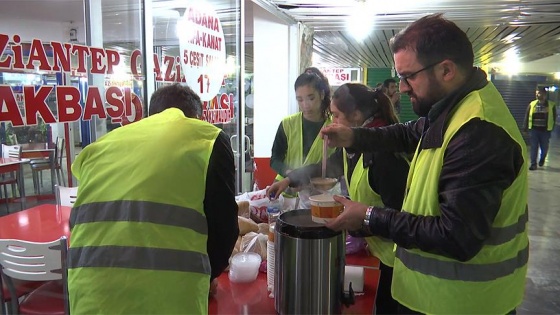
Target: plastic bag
[(355, 244), (258, 202), (255, 243)]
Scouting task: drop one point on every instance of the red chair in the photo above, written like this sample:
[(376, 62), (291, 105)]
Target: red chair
[(264, 174), (32, 261)]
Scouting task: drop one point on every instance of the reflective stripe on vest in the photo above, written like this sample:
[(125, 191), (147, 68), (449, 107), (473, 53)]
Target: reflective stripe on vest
[(502, 235), (151, 258), (293, 128), (493, 280), (454, 270), (360, 190), (139, 211)]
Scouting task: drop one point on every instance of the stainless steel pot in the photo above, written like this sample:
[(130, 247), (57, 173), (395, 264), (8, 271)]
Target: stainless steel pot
[(309, 266)]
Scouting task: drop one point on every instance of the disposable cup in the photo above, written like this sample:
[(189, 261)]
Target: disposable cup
[(324, 208)]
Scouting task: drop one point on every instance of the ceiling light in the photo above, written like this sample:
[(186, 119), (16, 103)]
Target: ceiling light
[(511, 64), (510, 38), (361, 20)]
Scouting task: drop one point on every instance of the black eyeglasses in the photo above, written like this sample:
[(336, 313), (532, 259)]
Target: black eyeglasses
[(404, 78)]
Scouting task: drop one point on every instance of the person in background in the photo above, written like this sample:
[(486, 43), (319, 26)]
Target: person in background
[(461, 236), (148, 232), (297, 140), (390, 88), (539, 119), (377, 178)]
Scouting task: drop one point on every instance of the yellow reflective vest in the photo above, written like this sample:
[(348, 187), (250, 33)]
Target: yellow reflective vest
[(360, 191), (292, 126), (493, 281), (551, 118), (139, 231)]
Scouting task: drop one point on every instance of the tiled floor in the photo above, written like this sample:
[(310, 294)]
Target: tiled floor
[(542, 294)]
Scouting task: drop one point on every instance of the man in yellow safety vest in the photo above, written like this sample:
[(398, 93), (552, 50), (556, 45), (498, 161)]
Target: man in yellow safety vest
[(155, 219), (461, 237)]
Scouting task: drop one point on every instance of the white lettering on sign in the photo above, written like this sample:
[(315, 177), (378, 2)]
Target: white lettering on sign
[(202, 49)]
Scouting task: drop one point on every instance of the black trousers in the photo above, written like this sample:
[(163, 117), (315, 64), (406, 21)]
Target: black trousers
[(384, 302)]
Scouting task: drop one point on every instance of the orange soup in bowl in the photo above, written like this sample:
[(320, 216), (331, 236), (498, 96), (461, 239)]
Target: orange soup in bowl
[(324, 208)]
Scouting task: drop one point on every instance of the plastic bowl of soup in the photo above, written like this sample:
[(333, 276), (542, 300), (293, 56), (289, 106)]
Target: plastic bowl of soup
[(324, 208)]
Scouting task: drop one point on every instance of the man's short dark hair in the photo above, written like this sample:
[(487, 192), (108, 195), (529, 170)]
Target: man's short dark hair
[(176, 96), (435, 39), (389, 81), (541, 89)]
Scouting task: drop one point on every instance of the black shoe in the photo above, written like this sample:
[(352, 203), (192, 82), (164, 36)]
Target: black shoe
[(533, 167), (541, 162)]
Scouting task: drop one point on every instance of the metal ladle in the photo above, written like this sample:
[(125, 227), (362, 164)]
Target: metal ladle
[(323, 183), (324, 164)]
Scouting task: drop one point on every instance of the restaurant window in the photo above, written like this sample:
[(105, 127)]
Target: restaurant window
[(60, 69), (197, 43), (79, 69)]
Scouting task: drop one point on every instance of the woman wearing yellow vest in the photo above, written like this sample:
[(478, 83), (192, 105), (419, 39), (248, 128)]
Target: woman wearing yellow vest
[(297, 140), (461, 236), (373, 178)]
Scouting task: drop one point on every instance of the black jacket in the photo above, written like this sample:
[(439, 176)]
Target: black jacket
[(386, 174), (480, 162), (221, 213)]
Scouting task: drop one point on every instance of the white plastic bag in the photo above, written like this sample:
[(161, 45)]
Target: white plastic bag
[(258, 202), (254, 243)]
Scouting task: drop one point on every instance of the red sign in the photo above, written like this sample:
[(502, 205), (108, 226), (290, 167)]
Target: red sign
[(120, 103)]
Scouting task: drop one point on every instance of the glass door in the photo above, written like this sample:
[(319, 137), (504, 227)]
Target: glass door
[(66, 74), (198, 43)]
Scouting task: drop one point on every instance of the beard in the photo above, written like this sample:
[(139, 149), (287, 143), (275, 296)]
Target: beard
[(423, 104)]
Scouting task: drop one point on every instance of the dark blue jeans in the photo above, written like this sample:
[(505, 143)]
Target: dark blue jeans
[(539, 139)]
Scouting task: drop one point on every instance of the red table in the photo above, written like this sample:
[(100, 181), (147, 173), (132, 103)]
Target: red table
[(43, 223), (48, 222), (253, 298), (37, 150)]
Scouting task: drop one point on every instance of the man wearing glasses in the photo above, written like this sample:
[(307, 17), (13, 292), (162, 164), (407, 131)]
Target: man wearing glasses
[(461, 237)]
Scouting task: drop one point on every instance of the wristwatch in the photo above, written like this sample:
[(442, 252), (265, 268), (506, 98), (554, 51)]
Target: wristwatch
[(365, 224)]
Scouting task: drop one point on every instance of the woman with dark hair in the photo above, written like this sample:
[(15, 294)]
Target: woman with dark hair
[(373, 178), (325, 102), (297, 141)]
